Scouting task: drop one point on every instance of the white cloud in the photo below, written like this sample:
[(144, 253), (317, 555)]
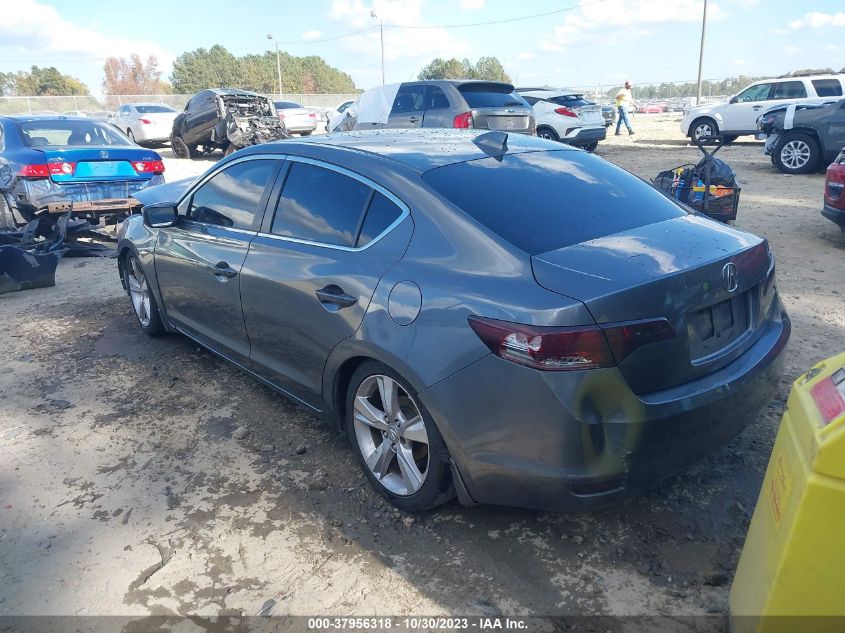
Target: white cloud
[(525, 56), (817, 19), (418, 44), (619, 22), (792, 50), (39, 30), (471, 5), (739, 62), (311, 35)]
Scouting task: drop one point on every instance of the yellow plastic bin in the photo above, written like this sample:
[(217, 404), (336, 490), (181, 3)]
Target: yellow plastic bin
[(793, 561)]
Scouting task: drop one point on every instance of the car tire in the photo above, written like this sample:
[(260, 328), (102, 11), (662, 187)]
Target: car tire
[(547, 133), (143, 301), (305, 134), (181, 149), (131, 135), (407, 464), (703, 126), (591, 147), (796, 153), (230, 149), (727, 139)]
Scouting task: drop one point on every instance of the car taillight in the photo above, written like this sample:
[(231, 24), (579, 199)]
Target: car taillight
[(144, 121), (148, 166), (565, 111), (34, 171), (568, 348), (545, 348), (312, 115), (624, 339), (463, 120)]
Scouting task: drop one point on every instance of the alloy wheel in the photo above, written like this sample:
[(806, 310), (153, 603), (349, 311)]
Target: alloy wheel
[(391, 434), (795, 154), (138, 291), (703, 129)]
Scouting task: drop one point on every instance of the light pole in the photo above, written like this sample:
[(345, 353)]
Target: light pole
[(278, 62), (381, 33), (701, 53)]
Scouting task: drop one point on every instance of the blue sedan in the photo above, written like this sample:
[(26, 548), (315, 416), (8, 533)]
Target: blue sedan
[(49, 163)]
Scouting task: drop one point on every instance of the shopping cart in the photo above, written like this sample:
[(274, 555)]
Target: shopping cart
[(710, 187)]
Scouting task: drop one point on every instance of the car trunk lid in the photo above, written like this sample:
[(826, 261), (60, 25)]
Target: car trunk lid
[(716, 305), (96, 163)]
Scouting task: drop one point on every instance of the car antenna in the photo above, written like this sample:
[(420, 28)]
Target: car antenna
[(493, 144)]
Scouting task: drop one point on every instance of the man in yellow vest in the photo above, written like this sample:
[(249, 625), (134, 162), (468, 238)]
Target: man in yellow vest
[(624, 99)]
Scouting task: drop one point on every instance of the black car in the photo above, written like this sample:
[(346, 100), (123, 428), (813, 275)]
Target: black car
[(224, 119), (803, 138)]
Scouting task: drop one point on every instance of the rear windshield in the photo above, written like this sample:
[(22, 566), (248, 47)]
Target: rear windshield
[(490, 96), (286, 105), (153, 109), (543, 201), (70, 133), (572, 101)]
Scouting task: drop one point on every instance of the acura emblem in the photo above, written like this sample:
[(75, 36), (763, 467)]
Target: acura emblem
[(510, 109), (729, 277), (104, 154)]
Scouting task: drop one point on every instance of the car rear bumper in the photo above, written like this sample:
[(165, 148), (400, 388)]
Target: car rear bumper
[(560, 441), (146, 134), (834, 215), (587, 135)]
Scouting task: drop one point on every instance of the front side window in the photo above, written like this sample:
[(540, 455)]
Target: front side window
[(232, 197), (789, 90), (760, 92), (827, 87), (320, 205)]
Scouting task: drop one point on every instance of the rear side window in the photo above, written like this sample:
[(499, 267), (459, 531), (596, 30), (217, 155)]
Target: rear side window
[(232, 197), (436, 99), (543, 201), (789, 90), (381, 213), (827, 87), (490, 96), (409, 99), (320, 205)]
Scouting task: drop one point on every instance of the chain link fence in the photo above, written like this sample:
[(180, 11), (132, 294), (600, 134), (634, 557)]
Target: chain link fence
[(88, 103)]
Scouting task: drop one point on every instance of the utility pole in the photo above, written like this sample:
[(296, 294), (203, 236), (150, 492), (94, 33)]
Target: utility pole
[(278, 62), (381, 33), (701, 53)]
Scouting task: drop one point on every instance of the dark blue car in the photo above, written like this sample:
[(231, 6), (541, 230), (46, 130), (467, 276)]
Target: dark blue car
[(49, 163)]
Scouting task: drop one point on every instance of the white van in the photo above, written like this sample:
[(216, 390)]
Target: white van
[(738, 116)]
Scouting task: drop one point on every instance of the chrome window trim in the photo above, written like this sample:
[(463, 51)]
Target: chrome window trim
[(405, 211)]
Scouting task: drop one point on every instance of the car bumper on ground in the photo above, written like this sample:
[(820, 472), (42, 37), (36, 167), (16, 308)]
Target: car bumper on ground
[(835, 215), (769, 146), (559, 441)]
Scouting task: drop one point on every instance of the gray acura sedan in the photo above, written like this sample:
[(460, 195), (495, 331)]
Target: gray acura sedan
[(497, 317)]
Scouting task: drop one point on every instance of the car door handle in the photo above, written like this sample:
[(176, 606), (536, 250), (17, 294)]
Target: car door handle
[(222, 269), (414, 119), (756, 107), (334, 295)]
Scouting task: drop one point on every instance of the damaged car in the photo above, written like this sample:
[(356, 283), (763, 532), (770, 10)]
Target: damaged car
[(224, 119), (50, 165), (801, 138)]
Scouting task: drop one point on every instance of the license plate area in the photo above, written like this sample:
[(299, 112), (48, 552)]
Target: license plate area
[(506, 122), (716, 330)]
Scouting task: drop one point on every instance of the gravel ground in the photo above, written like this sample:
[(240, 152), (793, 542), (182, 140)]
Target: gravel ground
[(123, 491)]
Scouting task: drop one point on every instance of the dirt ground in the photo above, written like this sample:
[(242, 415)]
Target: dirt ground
[(122, 490)]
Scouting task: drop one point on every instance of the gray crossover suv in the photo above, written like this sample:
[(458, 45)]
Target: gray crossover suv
[(497, 317), (462, 104)]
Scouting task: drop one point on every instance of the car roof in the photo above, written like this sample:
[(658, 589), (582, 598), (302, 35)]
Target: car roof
[(417, 149)]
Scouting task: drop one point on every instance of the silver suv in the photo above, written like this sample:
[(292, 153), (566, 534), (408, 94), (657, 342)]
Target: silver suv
[(486, 105)]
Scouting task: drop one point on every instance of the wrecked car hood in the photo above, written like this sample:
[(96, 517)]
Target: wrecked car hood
[(168, 192)]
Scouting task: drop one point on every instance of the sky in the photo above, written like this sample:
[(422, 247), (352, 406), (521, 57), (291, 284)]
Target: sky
[(577, 43)]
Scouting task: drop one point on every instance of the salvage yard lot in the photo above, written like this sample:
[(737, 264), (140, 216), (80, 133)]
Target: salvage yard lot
[(123, 491)]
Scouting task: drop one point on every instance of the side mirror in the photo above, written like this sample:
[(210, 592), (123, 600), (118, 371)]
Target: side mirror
[(733, 99), (159, 216)]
